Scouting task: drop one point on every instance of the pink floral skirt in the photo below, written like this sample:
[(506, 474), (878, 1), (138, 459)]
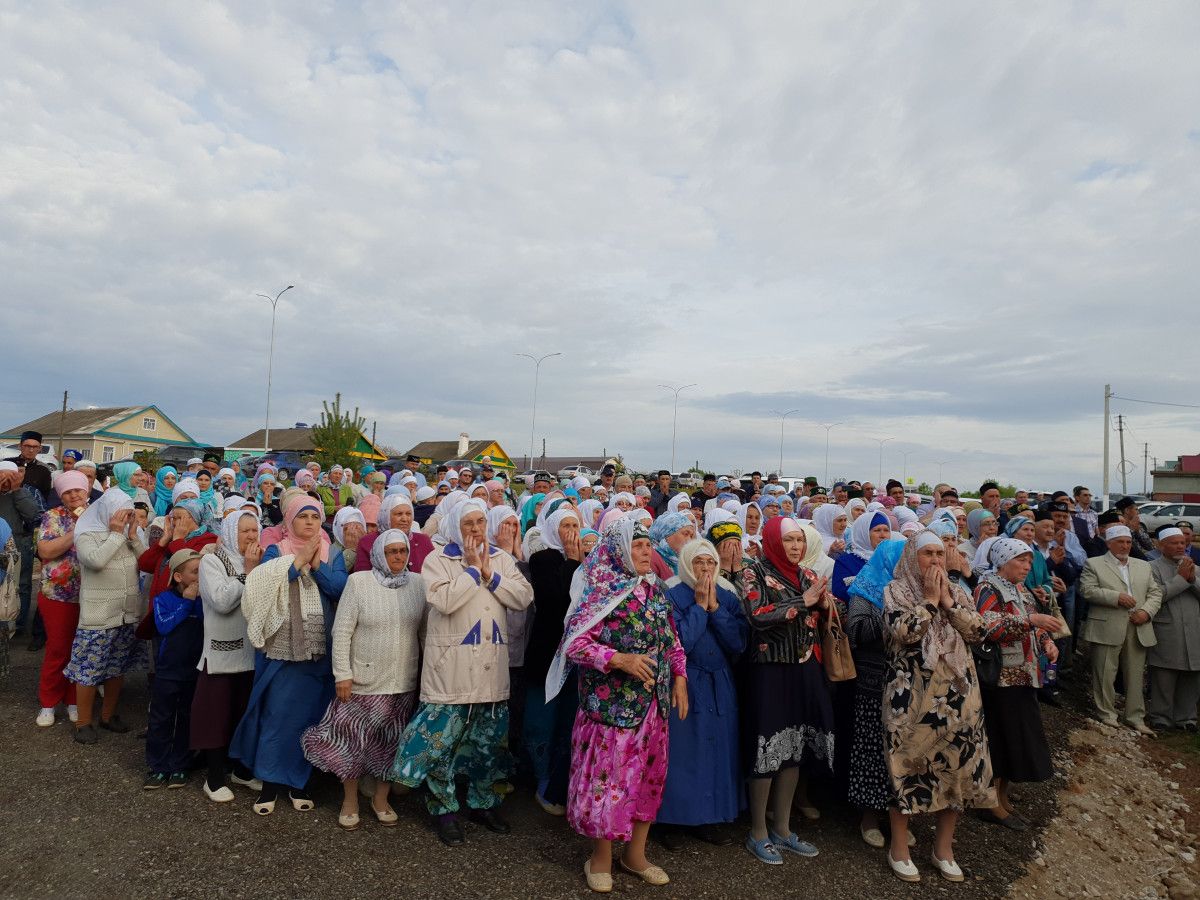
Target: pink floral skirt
[(617, 776)]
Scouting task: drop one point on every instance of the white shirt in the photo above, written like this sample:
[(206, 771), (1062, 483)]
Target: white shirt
[(1123, 568)]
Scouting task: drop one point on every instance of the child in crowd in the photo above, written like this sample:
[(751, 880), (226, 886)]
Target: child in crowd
[(178, 620)]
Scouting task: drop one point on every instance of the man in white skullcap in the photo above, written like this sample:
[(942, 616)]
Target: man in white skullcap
[(1124, 597)]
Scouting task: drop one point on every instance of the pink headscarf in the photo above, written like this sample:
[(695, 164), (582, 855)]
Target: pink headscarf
[(609, 517), (305, 480), (70, 480), (288, 546), (369, 507)]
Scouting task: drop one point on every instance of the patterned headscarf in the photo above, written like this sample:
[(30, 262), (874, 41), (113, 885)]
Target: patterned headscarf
[(379, 565), (608, 577), (941, 642), (202, 514)]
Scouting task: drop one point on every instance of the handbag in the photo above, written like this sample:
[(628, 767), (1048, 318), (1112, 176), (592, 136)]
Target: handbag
[(835, 648), (987, 663)]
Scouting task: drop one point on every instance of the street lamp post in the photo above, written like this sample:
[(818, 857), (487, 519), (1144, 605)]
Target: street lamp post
[(905, 454), (274, 301), (782, 419), (675, 417), (537, 370), (882, 441), (940, 464), (828, 428)]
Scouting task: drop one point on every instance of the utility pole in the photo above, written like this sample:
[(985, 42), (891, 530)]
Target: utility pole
[(374, 425), (1104, 476), (1145, 466), (1121, 464), (62, 420)]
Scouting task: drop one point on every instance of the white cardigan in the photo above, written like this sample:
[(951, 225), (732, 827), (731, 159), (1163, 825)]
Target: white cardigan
[(377, 635), (227, 648), (110, 592)]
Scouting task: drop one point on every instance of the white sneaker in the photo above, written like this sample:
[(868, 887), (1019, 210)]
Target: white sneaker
[(255, 784), (73, 713), (554, 809), (221, 795), (45, 717)]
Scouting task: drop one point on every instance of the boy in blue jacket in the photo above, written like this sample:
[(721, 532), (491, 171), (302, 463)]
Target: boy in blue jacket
[(177, 616)]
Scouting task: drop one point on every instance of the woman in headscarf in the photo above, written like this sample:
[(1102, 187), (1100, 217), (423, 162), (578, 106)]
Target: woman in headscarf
[(307, 482), (704, 778), (226, 482), (868, 532), (442, 513), (164, 483), (589, 512), (504, 533), (589, 538), (369, 507), (831, 520), (623, 501), (462, 722), (669, 533), (58, 594), (208, 495), (787, 506), (376, 654), (396, 511), (227, 660), (750, 519), (108, 543), (787, 710), (768, 505), (715, 516), (937, 750), (1014, 721), (124, 476), (727, 538), (855, 507), (288, 603), (349, 527), (981, 525), (632, 672), (870, 784), (815, 558), (547, 734), (267, 495)]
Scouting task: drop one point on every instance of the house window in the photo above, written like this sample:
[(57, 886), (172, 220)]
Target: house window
[(108, 454), (149, 423), (87, 452)]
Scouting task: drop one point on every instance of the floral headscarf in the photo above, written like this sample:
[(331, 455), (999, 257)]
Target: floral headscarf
[(665, 526), (907, 593)]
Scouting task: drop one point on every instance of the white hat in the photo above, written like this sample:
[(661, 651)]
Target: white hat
[(1117, 531), (1169, 533)]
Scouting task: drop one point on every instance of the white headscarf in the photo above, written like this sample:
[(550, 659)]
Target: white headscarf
[(589, 511), (823, 518), (687, 555), (673, 505), (453, 525), (233, 502), (383, 519), (612, 504), (182, 486), (715, 515), (344, 517), (496, 517), (95, 518), (861, 532), (228, 540), (580, 481), (379, 564), (855, 503), (550, 536)]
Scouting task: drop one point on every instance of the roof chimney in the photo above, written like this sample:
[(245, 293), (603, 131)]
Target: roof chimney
[(463, 442)]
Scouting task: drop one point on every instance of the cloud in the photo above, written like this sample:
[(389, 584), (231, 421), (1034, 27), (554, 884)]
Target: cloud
[(949, 227)]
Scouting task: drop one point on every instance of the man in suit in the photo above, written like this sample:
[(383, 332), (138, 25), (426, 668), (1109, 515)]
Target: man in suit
[(1175, 659), (1124, 597)]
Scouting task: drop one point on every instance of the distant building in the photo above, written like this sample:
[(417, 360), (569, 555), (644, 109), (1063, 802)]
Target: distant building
[(434, 452), (1177, 480), (108, 433), (294, 440)]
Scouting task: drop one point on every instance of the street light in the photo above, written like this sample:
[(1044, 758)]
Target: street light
[(940, 464), (675, 418), (882, 441), (905, 454), (828, 428), (274, 301), (782, 419), (537, 370)]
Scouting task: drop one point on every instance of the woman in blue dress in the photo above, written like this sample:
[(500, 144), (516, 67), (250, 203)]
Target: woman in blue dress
[(704, 777), (289, 604), (868, 531)]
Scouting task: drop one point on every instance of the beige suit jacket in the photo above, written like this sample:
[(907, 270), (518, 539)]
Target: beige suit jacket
[(1101, 583)]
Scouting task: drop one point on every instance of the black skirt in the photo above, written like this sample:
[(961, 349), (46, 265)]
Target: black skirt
[(217, 707), (1016, 739), (787, 718)]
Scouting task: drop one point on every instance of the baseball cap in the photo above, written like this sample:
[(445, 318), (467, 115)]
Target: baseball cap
[(179, 557)]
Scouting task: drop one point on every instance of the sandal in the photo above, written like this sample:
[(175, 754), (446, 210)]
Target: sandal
[(264, 807), (301, 802), (651, 874), (386, 817), (600, 882)]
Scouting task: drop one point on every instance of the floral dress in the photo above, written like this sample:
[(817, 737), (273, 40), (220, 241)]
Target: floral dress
[(620, 740)]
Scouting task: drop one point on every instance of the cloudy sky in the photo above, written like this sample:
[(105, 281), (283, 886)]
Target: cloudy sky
[(940, 224)]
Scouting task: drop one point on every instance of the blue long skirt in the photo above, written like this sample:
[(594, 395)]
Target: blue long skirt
[(287, 698)]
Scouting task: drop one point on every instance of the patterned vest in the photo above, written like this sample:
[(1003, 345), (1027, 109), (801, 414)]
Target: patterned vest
[(635, 626)]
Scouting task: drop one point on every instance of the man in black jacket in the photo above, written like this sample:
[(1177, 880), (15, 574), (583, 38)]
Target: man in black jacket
[(37, 476), (661, 495)]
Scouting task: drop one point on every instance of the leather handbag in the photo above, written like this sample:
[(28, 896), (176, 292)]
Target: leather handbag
[(835, 648), (987, 663)]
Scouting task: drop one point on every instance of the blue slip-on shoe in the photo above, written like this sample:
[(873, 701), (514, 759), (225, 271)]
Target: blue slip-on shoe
[(764, 851), (793, 844)]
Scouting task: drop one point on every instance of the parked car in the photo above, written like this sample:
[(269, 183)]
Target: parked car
[(569, 472), (1149, 509), (687, 479), (1173, 512)]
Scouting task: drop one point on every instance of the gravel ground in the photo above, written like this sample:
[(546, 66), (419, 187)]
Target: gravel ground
[(77, 824)]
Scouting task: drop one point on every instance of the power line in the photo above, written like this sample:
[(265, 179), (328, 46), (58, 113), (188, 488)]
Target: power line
[(1156, 402)]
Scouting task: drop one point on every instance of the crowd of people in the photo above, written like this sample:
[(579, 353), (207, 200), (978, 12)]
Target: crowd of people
[(644, 659)]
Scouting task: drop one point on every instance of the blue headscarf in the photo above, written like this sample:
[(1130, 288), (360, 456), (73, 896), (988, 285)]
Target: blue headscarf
[(879, 570), (665, 526), (208, 496), (1015, 524), (258, 483), (528, 511), (201, 512), (767, 500), (944, 527), (162, 493)]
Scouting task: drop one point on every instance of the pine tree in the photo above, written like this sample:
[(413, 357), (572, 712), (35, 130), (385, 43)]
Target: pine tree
[(337, 434)]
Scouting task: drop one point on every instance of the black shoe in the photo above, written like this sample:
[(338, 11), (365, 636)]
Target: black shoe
[(177, 780), (36, 644), (1012, 821), (671, 838), (154, 781), (712, 834), (490, 819), (86, 735), (115, 725), (1188, 727), (449, 830)]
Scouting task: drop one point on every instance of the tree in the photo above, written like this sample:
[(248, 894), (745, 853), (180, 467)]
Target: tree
[(337, 434), (924, 488), (150, 460)]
